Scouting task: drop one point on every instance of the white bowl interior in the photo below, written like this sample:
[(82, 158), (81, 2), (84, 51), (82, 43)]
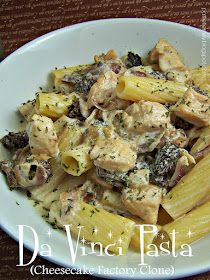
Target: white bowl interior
[(25, 70)]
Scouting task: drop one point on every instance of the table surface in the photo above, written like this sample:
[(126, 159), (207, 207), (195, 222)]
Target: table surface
[(21, 21)]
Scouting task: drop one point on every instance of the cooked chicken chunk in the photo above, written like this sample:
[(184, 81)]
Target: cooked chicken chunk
[(143, 202), (146, 116), (102, 94), (110, 55), (194, 108), (138, 178), (131, 127), (113, 154), (174, 136), (43, 140), (88, 192), (169, 61), (111, 62)]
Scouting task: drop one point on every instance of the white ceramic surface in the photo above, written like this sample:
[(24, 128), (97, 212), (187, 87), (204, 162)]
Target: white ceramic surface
[(27, 68)]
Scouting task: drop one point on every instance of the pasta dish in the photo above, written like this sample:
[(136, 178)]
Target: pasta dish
[(117, 143)]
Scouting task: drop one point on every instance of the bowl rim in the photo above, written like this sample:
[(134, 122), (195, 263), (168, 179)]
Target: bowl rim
[(74, 27), (98, 21)]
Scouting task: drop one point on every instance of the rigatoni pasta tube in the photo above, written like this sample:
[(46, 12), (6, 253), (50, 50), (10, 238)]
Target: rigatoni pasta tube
[(77, 160), (188, 193), (113, 199), (58, 74), (72, 137), (97, 225), (143, 88), (148, 237), (52, 105), (190, 227)]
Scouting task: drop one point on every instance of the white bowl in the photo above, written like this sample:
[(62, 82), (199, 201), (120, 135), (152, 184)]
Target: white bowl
[(27, 68)]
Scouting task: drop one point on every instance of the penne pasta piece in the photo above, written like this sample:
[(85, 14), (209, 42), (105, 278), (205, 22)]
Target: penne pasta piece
[(53, 105), (190, 227), (143, 88), (190, 190), (97, 225), (76, 161)]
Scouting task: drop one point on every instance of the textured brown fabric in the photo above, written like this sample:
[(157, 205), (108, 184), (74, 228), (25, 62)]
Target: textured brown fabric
[(22, 21)]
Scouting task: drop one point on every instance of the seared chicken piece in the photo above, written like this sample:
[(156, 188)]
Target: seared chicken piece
[(112, 202), (88, 193), (82, 79), (113, 154), (111, 62), (112, 199), (169, 61), (110, 55), (138, 178), (174, 136), (143, 202), (102, 94), (194, 108), (43, 140), (146, 116), (131, 127)]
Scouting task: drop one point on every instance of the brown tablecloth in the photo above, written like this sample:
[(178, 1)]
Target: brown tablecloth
[(22, 21)]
